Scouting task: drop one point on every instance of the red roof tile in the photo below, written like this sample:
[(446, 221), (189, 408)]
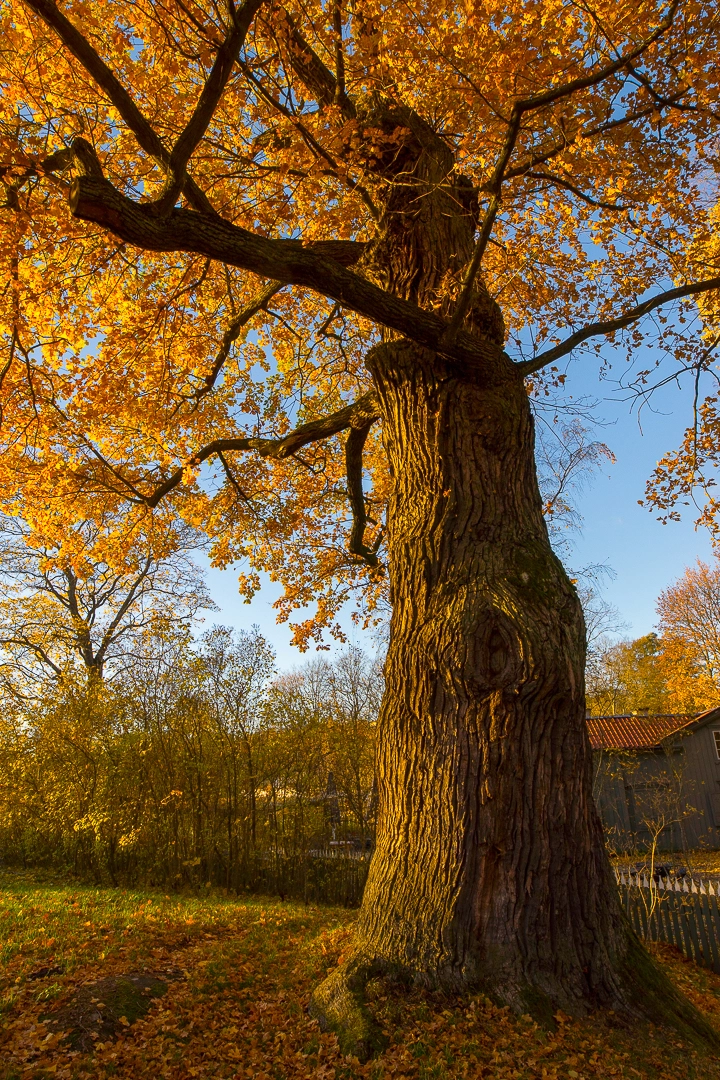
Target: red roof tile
[(633, 732)]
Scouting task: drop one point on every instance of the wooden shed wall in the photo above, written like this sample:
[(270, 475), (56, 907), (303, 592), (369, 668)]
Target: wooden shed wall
[(678, 785)]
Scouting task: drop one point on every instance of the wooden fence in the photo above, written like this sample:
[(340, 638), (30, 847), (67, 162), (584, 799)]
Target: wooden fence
[(328, 877), (680, 911)]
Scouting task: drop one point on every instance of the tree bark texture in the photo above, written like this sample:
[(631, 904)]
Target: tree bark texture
[(490, 870), (490, 867)]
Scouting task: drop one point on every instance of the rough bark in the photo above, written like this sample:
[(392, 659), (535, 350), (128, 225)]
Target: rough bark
[(490, 870), (484, 720)]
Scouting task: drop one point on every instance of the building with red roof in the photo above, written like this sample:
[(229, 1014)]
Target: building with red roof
[(657, 780)]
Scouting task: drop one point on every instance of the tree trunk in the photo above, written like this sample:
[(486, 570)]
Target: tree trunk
[(484, 717), (490, 870)]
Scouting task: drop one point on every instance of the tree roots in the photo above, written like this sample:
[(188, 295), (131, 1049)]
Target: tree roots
[(338, 1004)]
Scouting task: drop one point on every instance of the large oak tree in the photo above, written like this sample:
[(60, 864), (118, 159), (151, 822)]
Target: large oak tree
[(234, 233)]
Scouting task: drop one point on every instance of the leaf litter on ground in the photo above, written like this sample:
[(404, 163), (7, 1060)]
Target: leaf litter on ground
[(100, 982)]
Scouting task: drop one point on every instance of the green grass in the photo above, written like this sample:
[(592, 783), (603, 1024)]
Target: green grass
[(239, 974)]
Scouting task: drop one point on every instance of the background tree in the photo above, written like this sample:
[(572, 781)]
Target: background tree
[(629, 677), (237, 669), (566, 460), (340, 702), (192, 766), (60, 608), (689, 622), (391, 195)]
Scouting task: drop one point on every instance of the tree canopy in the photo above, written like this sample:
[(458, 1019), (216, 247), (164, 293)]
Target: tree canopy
[(196, 258)]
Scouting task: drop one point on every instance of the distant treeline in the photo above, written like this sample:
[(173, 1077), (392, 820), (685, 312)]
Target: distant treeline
[(196, 764)]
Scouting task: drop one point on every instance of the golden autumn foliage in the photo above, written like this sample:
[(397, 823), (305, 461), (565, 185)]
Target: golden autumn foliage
[(689, 622), (193, 765), (120, 365), (629, 677), (674, 671)]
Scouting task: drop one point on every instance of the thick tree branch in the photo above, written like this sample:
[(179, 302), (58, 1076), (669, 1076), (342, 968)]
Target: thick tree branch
[(339, 53), (609, 326), (288, 261), (361, 413), (345, 252), (208, 101), (320, 81), (98, 70), (310, 69), (353, 466)]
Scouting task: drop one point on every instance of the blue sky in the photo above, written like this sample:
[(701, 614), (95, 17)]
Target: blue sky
[(644, 555)]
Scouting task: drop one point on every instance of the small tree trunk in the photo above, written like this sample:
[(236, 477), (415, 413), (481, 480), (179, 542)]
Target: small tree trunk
[(490, 870)]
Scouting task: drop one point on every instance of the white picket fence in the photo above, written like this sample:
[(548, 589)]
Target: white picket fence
[(689, 883), (682, 911)]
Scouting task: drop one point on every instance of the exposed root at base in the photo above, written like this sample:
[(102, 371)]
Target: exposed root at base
[(658, 1000), (338, 1004)]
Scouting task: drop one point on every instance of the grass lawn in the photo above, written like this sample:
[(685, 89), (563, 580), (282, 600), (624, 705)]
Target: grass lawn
[(105, 982)]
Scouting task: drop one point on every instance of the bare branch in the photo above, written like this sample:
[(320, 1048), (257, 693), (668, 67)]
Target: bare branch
[(609, 326), (109, 635), (33, 647)]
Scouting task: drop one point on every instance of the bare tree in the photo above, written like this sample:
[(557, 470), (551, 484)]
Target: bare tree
[(567, 457), (58, 612)]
